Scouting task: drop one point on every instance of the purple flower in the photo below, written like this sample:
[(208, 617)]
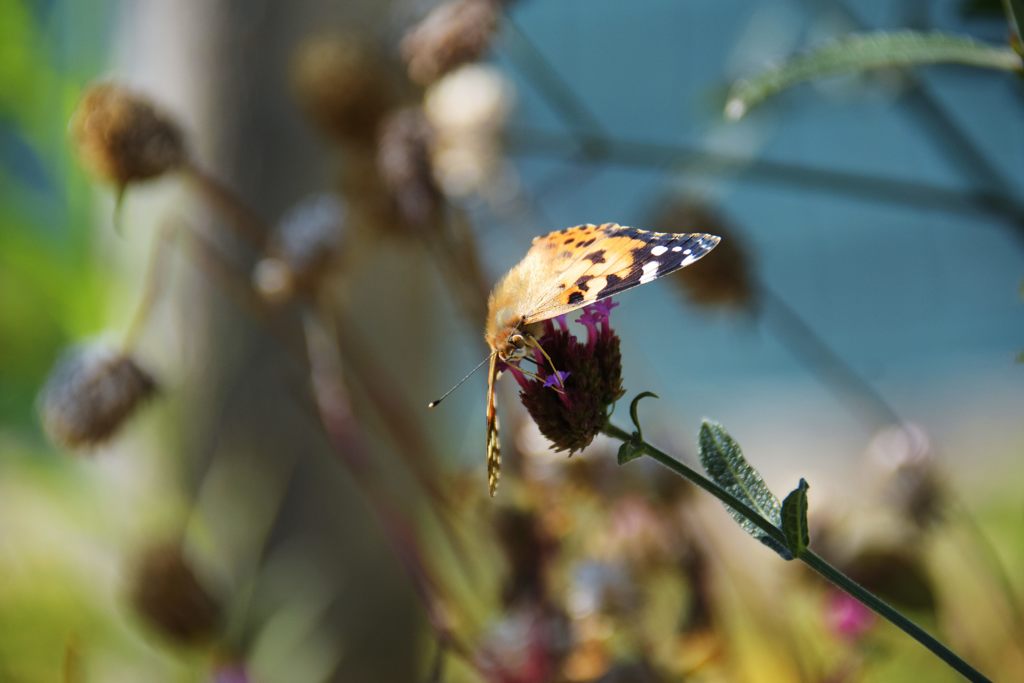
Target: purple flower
[(570, 390), (556, 379)]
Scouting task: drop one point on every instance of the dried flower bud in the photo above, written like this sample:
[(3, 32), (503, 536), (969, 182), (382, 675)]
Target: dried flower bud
[(468, 109), (90, 393), (571, 404), (454, 33), (403, 160), (167, 594), (122, 138), (723, 278), (913, 483), (305, 246), (342, 87)]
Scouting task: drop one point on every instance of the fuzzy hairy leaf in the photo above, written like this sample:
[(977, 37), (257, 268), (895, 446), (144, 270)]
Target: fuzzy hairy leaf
[(724, 462), (794, 519), (860, 52)]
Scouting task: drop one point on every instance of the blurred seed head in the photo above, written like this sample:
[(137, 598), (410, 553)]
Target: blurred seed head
[(572, 408), (468, 109), (306, 245), (453, 33), (342, 86), (92, 390), (166, 593), (403, 159), (723, 278), (122, 138), (913, 483)]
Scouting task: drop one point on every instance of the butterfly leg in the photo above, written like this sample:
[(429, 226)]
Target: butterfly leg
[(532, 342)]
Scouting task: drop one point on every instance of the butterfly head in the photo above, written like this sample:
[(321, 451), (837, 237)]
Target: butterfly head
[(507, 336)]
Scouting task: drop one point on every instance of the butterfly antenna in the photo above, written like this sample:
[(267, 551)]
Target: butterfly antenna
[(458, 384)]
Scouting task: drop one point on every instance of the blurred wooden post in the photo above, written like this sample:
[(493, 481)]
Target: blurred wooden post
[(222, 68)]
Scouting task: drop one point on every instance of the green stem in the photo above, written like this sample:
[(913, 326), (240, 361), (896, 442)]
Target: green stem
[(812, 560), (869, 599)]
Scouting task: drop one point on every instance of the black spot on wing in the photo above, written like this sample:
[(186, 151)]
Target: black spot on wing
[(595, 256), (582, 282), (575, 298)]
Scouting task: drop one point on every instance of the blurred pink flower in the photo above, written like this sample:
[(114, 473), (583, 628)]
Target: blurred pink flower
[(847, 618)]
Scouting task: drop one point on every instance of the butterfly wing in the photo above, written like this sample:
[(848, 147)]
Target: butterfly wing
[(606, 260), (493, 443)]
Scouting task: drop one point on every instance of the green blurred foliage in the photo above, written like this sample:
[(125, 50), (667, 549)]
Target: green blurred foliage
[(50, 284)]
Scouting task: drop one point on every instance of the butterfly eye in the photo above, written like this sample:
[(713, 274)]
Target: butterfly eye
[(517, 341)]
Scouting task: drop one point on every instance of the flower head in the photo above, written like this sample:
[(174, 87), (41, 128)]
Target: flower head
[(454, 33), (468, 109), (168, 595), (570, 395), (122, 138), (90, 393), (722, 279), (341, 86), (403, 160), (306, 244)]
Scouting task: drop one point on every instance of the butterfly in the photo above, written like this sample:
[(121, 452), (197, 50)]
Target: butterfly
[(565, 270)]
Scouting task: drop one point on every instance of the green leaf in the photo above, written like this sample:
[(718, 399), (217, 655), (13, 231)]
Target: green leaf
[(633, 409), (860, 52), (794, 519), (630, 450), (724, 462)]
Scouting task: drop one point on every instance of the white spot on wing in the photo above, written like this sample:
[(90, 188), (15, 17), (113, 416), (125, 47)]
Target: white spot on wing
[(659, 250), (677, 248), (688, 251), (649, 272)]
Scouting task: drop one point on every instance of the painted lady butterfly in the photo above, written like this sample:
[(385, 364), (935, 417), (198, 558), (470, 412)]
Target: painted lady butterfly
[(565, 270)]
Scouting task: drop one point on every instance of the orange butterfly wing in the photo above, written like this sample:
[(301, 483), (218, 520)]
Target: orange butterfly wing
[(606, 260)]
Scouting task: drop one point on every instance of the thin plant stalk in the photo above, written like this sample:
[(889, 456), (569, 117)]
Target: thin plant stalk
[(156, 273), (809, 557), (527, 142)]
